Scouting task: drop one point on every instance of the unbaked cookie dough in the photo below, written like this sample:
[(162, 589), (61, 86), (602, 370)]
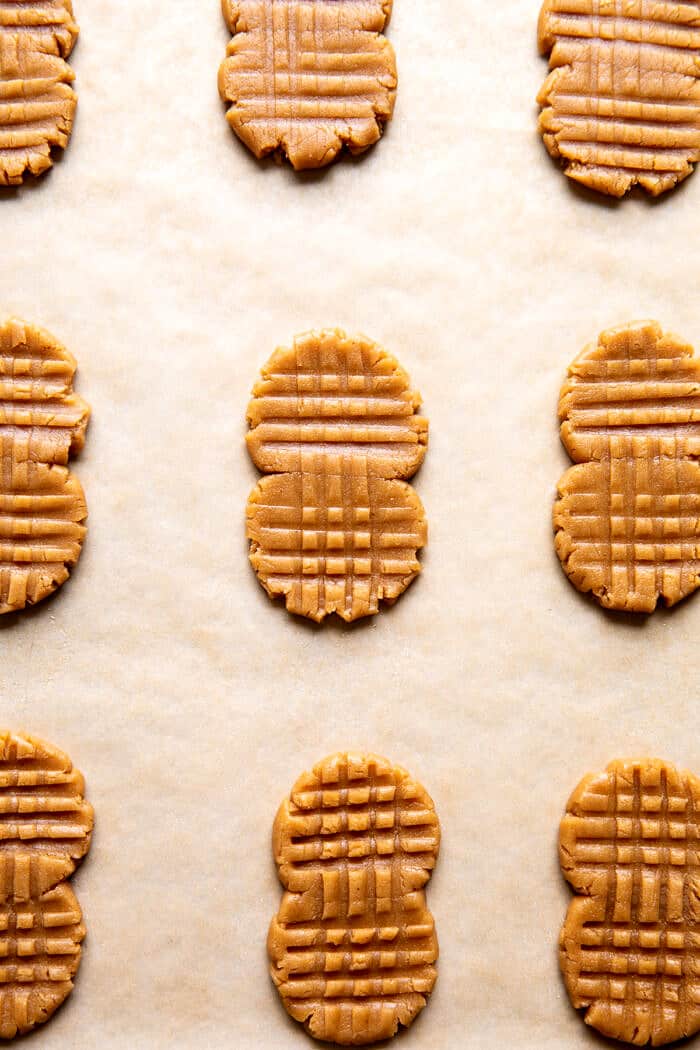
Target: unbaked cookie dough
[(627, 521), (353, 946), (46, 831), (335, 528), (37, 102), (622, 102), (303, 78), (629, 845), (42, 506)]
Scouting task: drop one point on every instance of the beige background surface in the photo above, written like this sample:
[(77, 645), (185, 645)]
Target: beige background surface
[(171, 263)]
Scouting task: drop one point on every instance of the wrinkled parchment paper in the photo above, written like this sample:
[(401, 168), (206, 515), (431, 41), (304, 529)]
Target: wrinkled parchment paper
[(172, 263)]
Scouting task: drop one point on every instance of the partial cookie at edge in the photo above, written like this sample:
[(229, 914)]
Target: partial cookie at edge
[(42, 505), (621, 104), (627, 517), (629, 847)]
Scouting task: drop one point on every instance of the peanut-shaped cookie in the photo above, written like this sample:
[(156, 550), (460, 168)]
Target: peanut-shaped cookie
[(44, 832), (627, 520), (353, 946), (335, 529), (42, 505), (629, 846)]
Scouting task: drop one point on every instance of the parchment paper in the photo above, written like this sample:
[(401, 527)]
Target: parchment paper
[(172, 263)]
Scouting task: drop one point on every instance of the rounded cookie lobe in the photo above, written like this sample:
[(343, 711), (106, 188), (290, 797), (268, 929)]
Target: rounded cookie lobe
[(353, 946), (42, 505), (331, 393), (334, 537), (37, 102), (40, 954), (621, 105), (306, 77), (626, 520), (630, 848), (46, 823)]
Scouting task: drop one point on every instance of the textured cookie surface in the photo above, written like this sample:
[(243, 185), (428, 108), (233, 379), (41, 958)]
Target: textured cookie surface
[(42, 506), (37, 102), (630, 848), (353, 947), (45, 830), (335, 538), (627, 519), (46, 823), (39, 957), (622, 102), (330, 393), (307, 77), (49, 22), (335, 531)]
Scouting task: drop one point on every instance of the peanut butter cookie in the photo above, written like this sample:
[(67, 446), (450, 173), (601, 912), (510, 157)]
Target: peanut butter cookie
[(37, 102), (46, 829), (336, 530), (42, 506), (306, 77), (627, 520), (353, 947), (622, 102), (630, 848)]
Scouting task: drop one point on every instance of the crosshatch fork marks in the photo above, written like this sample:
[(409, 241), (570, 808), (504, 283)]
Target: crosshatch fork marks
[(39, 957), (329, 390), (307, 77), (353, 947), (630, 946), (48, 22), (627, 520), (621, 104), (335, 529), (334, 537), (37, 102), (45, 830), (42, 505)]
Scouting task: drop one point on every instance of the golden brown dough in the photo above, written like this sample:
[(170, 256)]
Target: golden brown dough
[(622, 102), (332, 392), (45, 830), (40, 940), (353, 947), (335, 531), (627, 519), (335, 538), (307, 77), (629, 847), (37, 103), (42, 506)]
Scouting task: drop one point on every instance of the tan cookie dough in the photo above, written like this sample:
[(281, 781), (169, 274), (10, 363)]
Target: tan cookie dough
[(353, 947), (630, 848), (335, 531), (46, 829), (42, 506), (332, 392), (335, 538), (627, 518), (306, 77), (37, 102), (622, 102)]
